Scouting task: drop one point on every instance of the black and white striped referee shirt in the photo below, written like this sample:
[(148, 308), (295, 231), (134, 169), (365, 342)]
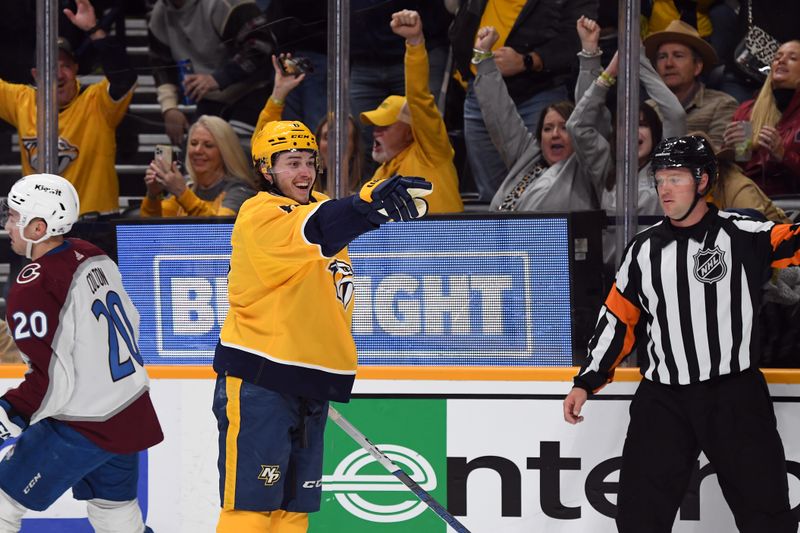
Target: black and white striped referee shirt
[(692, 295)]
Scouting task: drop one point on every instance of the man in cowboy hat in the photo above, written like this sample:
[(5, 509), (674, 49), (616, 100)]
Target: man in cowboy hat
[(680, 56)]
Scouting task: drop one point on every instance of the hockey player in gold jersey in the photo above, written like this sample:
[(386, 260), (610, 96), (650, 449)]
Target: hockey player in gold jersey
[(286, 347)]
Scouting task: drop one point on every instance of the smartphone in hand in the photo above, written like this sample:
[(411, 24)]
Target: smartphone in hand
[(295, 66), (163, 152)]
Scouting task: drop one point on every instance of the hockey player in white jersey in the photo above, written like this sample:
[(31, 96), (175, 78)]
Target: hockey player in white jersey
[(83, 411)]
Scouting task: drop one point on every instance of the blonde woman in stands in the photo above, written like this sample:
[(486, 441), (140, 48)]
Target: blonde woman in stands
[(220, 177), (774, 117)]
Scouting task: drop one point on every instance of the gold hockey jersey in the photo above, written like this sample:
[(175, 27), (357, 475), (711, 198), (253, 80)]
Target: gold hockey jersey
[(288, 325)]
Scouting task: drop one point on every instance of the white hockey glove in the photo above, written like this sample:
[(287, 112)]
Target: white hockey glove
[(10, 426), (399, 198)]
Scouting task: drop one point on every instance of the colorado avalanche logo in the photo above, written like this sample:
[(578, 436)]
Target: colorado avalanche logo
[(29, 273), (342, 280), (709, 265)]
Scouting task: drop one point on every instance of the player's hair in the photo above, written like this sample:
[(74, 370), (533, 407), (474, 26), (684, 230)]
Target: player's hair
[(234, 159), (765, 112)]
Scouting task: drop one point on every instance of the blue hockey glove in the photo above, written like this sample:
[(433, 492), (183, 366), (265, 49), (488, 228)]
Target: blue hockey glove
[(399, 198)]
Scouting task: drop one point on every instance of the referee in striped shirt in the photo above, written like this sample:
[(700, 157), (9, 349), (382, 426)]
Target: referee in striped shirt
[(691, 286)]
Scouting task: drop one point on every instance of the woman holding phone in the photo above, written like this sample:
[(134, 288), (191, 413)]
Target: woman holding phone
[(220, 177)]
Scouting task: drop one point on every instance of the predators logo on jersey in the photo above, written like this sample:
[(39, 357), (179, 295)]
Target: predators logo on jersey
[(288, 208), (342, 274), (67, 152)]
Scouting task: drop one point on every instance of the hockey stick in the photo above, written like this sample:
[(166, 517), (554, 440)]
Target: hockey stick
[(398, 472)]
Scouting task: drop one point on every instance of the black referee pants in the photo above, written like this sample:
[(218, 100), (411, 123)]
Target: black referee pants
[(730, 419)]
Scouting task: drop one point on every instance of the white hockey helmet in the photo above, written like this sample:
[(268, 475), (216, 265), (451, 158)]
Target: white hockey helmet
[(46, 196)]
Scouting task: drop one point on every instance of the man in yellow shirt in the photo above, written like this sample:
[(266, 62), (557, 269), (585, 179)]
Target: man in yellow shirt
[(410, 138), (286, 347), (87, 116)]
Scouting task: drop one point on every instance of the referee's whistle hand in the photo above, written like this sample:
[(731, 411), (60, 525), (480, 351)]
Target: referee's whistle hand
[(573, 404)]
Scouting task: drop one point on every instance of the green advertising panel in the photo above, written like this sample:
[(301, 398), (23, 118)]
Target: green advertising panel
[(359, 495)]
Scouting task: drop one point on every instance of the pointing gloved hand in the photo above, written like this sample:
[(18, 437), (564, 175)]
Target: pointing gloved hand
[(399, 198)]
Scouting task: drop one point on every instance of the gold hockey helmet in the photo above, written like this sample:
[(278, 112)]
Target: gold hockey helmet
[(281, 136)]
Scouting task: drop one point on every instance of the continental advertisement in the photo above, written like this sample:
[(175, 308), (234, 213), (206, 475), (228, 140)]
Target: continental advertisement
[(499, 458)]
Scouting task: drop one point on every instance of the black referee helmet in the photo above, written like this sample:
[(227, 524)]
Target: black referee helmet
[(693, 152)]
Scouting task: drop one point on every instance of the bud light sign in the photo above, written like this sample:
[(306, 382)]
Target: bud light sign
[(492, 291)]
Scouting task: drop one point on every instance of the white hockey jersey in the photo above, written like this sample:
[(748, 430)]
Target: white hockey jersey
[(78, 332)]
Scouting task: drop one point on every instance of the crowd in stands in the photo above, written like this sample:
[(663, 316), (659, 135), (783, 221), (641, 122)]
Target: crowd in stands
[(225, 43), (88, 115), (523, 119), (518, 70)]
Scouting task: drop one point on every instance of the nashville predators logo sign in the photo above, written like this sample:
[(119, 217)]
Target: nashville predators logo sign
[(67, 152), (270, 474), (342, 274), (709, 265)]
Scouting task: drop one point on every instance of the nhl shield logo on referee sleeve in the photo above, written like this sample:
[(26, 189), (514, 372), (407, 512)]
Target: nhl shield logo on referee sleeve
[(709, 265)]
